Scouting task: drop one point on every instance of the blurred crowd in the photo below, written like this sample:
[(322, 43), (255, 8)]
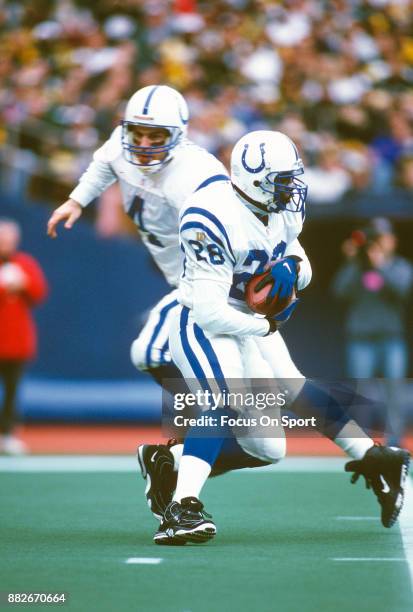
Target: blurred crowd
[(335, 75)]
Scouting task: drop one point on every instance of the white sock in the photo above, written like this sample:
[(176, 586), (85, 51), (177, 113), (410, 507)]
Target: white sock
[(177, 450), (192, 475), (355, 447)]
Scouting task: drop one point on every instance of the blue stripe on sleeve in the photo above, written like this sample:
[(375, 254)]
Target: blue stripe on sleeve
[(204, 228), (194, 210), (212, 179)]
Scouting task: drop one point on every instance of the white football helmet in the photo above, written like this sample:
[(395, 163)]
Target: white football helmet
[(154, 106), (264, 170)]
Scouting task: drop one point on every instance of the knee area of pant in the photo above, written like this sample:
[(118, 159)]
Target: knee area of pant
[(138, 354), (270, 450), (274, 450)]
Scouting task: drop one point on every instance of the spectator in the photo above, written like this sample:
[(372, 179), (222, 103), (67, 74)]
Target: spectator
[(22, 286), (405, 169), (375, 283)]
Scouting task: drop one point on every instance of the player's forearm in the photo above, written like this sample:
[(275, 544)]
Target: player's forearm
[(223, 319), (214, 315), (304, 275), (305, 272), (96, 179)]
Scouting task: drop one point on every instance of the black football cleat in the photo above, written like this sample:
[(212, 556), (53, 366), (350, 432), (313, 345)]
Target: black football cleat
[(185, 522), (162, 536), (157, 467), (385, 469)]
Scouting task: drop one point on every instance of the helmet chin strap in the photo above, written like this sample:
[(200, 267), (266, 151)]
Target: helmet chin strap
[(253, 205), (152, 167)]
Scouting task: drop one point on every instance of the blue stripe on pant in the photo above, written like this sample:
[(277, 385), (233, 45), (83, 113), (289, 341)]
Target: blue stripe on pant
[(162, 317), (210, 354), (197, 444), (189, 353)]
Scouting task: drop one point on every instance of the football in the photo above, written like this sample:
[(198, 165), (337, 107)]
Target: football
[(257, 300)]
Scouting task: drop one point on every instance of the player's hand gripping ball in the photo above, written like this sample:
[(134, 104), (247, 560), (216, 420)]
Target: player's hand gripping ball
[(272, 291)]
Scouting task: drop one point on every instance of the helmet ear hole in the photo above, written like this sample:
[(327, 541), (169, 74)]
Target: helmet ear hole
[(256, 183)]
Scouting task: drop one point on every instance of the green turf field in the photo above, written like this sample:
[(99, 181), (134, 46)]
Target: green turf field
[(278, 537)]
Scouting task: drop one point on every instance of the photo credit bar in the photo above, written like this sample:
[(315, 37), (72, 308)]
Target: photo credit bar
[(272, 407)]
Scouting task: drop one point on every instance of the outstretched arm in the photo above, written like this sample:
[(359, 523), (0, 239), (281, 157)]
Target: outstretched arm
[(69, 212), (98, 177)]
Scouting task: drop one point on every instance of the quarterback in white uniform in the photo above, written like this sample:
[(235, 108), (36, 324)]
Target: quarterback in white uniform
[(157, 168)]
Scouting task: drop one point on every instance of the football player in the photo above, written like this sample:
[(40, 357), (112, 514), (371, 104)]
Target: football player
[(228, 236), (157, 168)]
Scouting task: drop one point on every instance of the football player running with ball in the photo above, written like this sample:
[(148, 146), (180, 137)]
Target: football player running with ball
[(230, 233)]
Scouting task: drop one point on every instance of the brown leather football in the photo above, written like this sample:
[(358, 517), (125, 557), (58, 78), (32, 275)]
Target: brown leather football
[(257, 300)]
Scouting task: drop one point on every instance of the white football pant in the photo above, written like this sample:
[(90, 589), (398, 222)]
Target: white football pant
[(205, 361), (151, 347)]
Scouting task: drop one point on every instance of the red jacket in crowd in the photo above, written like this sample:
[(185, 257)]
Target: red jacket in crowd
[(18, 338)]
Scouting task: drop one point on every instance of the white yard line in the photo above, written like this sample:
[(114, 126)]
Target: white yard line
[(143, 561), (357, 518), (68, 463), (406, 527), (128, 463), (368, 559), (406, 530)]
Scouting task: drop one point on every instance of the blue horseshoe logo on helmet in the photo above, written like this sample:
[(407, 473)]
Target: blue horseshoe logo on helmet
[(262, 164)]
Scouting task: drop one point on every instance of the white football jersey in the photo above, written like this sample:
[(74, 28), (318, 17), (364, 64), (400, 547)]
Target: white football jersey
[(152, 201), (225, 242)]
